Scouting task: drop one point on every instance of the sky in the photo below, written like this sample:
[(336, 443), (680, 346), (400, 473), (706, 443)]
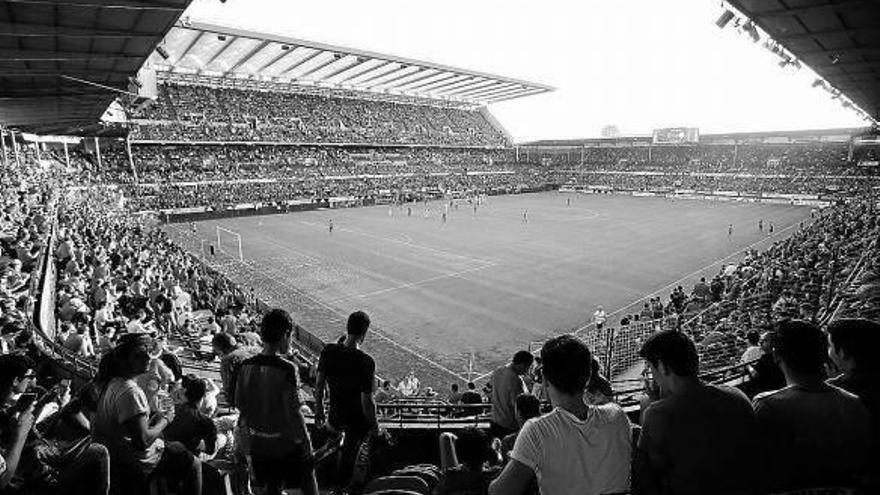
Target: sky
[(636, 64)]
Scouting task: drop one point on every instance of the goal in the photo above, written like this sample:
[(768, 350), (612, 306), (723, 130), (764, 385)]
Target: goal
[(229, 243)]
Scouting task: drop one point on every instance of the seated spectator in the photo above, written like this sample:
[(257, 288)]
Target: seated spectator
[(471, 396), (267, 395), (31, 459), (190, 426), (454, 396), (527, 407), (577, 448), (134, 438), (469, 463), (766, 374), (696, 438), (753, 352), (853, 346), (814, 434), (598, 390), (385, 393)]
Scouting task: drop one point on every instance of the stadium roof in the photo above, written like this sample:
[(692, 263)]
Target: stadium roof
[(62, 62), (839, 40), (202, 49)]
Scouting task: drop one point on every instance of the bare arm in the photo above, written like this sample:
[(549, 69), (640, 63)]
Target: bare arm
[(142, 434), (21, 428), (369, 410), (320, 382), (513, 480)]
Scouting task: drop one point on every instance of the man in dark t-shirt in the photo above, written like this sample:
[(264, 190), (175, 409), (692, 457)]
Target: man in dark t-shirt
[(349, 374)]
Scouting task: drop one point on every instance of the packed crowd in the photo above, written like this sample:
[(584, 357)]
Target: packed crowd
[(201, 113), (138, 307)]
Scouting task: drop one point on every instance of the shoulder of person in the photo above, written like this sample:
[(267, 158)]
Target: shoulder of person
[(612, 413), (765, 399), (732, 392)]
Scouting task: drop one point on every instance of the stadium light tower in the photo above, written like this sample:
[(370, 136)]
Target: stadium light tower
[(725, 19)]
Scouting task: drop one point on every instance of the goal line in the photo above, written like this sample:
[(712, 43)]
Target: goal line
[(229, 242)]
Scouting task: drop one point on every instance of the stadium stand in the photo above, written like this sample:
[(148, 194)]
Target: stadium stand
[(199, 113)]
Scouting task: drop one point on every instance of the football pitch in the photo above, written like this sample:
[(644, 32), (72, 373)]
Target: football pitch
[(454, 300)]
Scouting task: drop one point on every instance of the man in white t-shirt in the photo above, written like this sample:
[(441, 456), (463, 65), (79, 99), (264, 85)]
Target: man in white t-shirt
[(576, 448), (599, 317)]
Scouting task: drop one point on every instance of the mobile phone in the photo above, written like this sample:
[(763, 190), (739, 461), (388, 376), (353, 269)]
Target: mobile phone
[(25, 402)]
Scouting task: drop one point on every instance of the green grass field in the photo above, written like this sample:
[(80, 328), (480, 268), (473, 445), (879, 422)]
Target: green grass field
[(486, 284)]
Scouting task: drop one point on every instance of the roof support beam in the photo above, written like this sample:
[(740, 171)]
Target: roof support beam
[(24, 30), (873, 64), (433, 72), (530, 92), (276, 59), (437, 83), (788, 12), (468, 82), (349, 77), (490, 89), (190, 46), (335, 72), (829, 32), (304, 60), (496, 92), (117, 4), (482, 85), (60, 55), (243, 60), (437, 77), (383, 73), (226, 45), (335, 58), (501, 94), (842, 51)]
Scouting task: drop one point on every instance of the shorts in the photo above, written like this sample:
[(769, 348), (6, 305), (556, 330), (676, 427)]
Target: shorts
[(287, 470)]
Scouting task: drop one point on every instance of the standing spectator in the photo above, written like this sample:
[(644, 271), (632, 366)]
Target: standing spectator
[(124, 425), (507, 384), (527, 407), (853, 346), (814, 434), (696, 438), (599, 317), (349, 375), (231, 356), (267, 394), (577, 448)]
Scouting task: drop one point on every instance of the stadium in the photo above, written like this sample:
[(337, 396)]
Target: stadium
[(212, 235)]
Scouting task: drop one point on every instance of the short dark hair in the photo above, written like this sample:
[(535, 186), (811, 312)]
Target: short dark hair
[(194, 388), (455, 387), (13, 366), (566, 363), (801, 345), (471, 385), (472, 446), (753, 337), (675, 349), (528, 406), (223, 341), (276, 325), (524, 358), (358, 323), (858, 338)]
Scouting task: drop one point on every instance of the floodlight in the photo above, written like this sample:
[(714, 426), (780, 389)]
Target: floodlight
[(818, 83), (749, 28), (285, 47), (221, 37), (725, 18), (162, 52)]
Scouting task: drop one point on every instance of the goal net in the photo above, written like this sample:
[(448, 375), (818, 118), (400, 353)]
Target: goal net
[(229, 243)]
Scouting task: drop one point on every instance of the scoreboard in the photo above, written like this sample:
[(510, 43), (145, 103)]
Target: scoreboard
[(677, 135)]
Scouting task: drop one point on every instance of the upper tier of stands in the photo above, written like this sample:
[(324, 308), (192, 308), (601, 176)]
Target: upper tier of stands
[(200, 113)]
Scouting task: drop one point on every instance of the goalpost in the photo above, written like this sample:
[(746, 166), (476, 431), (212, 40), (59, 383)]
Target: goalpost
[(229, 242)]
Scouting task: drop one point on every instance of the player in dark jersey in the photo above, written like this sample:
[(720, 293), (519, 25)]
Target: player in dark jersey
[(330, 225), (761, 225)]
